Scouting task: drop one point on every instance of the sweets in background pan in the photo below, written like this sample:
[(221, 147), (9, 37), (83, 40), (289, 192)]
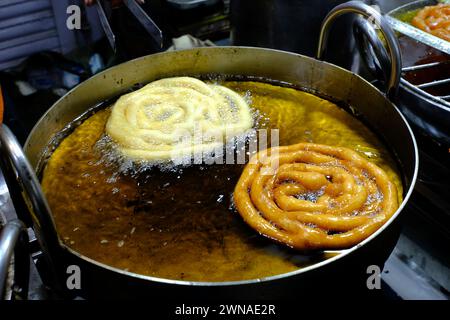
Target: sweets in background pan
[(434, 20)]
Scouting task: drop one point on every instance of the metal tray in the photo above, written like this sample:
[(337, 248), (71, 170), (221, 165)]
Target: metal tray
[(413, 32)]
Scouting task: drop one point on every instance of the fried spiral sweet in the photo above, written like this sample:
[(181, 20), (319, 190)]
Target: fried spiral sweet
[(310, 196), (175, 117), (434, 20)]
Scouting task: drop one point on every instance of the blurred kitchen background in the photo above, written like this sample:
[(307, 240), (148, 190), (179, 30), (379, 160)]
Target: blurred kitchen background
[(40, 58)]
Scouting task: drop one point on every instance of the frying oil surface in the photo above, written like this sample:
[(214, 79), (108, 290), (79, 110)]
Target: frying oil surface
[(180, 224)]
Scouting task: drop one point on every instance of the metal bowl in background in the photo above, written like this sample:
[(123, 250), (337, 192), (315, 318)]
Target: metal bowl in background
[(14, 259)]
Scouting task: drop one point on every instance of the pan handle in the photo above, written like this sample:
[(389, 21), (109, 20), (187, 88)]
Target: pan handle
[(372, 50), (28, 198), (393, 49), (14, 241)]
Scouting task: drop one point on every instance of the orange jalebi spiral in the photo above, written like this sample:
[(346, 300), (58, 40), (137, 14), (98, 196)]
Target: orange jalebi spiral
[(311, 196), (434, 20)]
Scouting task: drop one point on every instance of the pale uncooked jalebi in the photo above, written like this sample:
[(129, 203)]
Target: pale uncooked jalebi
[(434, 20), (176, 117), (311, 196)]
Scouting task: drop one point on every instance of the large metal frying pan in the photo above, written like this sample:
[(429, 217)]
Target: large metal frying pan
[(331, 81)]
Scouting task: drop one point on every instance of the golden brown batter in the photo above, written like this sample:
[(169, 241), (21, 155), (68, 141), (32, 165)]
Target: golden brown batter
[(180, 224), (158, 121), (313, 196)]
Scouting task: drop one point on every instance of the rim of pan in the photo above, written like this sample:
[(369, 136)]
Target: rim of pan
[(314, 266)]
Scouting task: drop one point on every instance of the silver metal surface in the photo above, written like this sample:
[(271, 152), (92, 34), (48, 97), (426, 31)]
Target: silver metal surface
[(145, 21), (423, 66), (7, 212), (419, 35), (432, 83), (27, 196), (368, 12), (14, 159), (413, 32), (408, 282), (426, 111), (372, 49), (430, 113), (440, 101), (105, 25), (417, 87), (9, 236)]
